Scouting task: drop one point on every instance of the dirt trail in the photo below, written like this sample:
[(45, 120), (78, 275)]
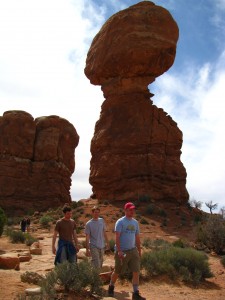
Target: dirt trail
[(160, 289)]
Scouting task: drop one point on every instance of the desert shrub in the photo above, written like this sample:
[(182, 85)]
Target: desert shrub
[(162, 213), (75, 216), (144, 221), (29, 239), (147, 242), (3, 220), (31, 297), (212, 233), (144, 198), (13, 221), (112, 245), (31, 277), (74, 204), (150, 209), (186, 264), (223, 261), (45, 220), (80, 210), (179, 243), (197, 219), (164, 222), (183, 219), (155, 244), (17, 236), (72, 277)]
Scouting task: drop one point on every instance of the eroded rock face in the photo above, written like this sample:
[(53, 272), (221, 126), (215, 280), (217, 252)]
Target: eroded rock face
[(36, 161), (136, 146)]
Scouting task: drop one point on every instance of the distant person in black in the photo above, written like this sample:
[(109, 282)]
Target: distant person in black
[(28, 224), (23, 225)]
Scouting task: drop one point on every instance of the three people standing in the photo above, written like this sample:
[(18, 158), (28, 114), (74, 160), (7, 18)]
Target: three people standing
[(127, 245)]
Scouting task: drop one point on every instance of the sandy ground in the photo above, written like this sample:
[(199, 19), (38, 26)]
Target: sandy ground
[(157, 289), (160, 289)]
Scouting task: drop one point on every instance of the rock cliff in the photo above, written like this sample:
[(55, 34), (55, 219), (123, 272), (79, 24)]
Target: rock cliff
[(36, 161), (136, 146)]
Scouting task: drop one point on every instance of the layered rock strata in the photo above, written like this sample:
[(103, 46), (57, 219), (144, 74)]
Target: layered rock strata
[(36, 161), (136, 146)]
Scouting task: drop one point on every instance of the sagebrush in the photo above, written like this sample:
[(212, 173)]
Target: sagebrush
[(186, 264)]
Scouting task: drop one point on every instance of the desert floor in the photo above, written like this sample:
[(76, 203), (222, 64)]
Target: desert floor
[(158, 288)]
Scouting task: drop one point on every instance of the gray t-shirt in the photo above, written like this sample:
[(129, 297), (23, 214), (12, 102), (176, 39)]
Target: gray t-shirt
[(95, 229)]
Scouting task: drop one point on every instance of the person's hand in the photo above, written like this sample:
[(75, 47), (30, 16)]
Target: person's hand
[(88, 252), (121, 254), (53, 250), (139, 251)]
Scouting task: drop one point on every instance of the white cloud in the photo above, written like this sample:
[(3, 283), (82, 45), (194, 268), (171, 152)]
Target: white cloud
[(194, 99), (42, 58)]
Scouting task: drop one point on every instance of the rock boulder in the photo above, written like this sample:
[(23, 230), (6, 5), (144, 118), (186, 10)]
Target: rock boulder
[(36, 161), (136, 146)]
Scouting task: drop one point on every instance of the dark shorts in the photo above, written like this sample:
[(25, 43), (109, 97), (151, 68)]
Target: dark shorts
[(130, 262)]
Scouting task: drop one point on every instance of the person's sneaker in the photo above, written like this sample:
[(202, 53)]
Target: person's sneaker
[(137, 296), (111, 291)]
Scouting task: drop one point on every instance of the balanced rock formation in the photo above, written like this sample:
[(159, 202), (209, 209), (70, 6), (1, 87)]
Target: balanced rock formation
[(36, 161), (136, 146)]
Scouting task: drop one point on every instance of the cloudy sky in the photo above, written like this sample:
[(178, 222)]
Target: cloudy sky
[(43, 47)]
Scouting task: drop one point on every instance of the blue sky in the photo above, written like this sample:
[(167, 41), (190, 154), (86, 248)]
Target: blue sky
[(43, 47)]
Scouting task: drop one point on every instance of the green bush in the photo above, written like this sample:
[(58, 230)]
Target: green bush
[(179, 243), (29, 239), (150, 209), (144, 221), (17, 237), (147, 242), (186, 264), (112, 245), (144, 198), (45, 220), (212, 233), (3, 220), (155, 244), (72, 277), (223, 261), (162, 213)]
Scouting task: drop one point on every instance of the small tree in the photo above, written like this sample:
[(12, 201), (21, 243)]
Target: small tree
[(195, 203), (212, 233), (222, 212), (211, 206), (3, 220)]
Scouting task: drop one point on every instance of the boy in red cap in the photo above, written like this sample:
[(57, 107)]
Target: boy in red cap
[(128, 250)]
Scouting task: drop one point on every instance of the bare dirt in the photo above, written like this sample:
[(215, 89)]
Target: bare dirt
[(178, 224)]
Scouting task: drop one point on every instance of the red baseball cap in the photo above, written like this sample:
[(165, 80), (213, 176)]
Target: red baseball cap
[(129, 205)]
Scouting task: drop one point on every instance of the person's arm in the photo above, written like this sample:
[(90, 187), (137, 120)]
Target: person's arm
[(138, 243), (53, 241), (106, 240), (120, 253), (88, 253), (76, 240)]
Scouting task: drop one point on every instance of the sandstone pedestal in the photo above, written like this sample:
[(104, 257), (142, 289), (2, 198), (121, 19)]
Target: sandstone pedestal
[(136, 146)]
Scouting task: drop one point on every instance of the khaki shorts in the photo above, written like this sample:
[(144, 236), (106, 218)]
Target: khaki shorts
[(131, 262), (97, 257)]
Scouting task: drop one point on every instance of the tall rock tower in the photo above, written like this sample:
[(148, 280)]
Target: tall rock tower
[(136, 146)]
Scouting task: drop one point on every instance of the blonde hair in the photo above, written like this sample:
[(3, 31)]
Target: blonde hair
[(95, 208)]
